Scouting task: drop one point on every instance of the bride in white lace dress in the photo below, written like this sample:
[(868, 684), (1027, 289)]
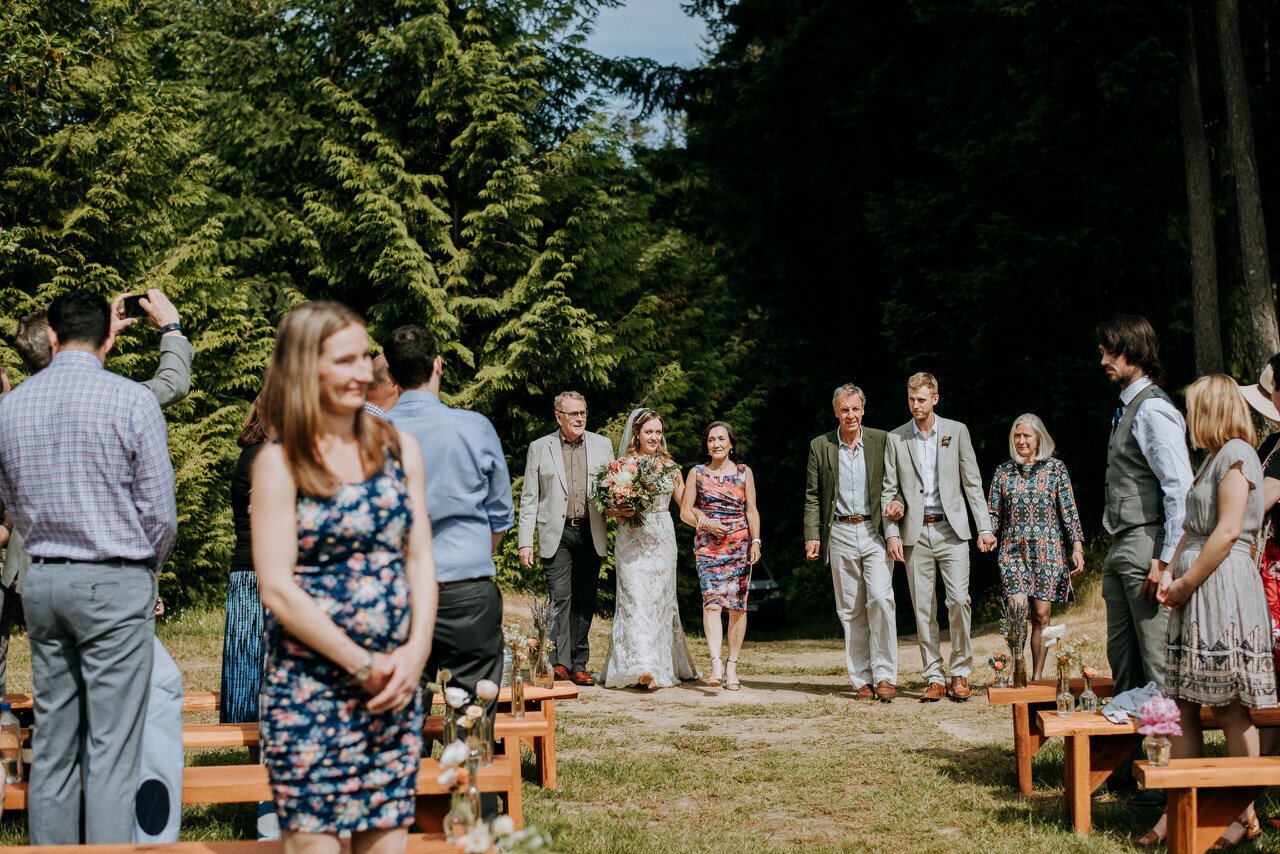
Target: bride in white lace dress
[(648, 647)]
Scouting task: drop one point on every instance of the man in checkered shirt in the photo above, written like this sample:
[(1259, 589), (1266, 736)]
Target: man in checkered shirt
[(85, 469)]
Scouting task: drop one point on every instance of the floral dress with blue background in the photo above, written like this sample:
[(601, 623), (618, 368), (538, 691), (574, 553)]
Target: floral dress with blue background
[(1032, 508), (336, 767)]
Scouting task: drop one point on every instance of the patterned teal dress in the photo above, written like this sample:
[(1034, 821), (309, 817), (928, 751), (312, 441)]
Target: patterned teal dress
[(1034, 511), (335, 767)]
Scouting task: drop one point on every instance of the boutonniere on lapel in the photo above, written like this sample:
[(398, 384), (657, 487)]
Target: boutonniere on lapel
[(946, 440)]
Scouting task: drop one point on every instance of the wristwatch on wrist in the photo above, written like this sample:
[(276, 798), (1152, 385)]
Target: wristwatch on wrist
[(171, 327), (364, 670)]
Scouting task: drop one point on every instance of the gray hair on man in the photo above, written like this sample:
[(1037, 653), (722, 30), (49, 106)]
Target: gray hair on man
[(846, 390), (569, 395), (32, 340), (1046, 446)]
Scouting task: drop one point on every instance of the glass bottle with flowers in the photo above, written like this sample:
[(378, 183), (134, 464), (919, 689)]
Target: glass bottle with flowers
[(1160, 719), (540, 644), (517, 642), (1088, 699), (486, 698), (1013, 624), (1064, 655), (999, 663), (458, 770)]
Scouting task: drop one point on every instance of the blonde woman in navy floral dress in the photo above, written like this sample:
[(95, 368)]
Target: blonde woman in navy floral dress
[(345, 570), (1033, 511)]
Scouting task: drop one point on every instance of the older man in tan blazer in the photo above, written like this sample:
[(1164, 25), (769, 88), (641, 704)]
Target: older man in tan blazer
[(842, 526), (572, 537), (930, 475)]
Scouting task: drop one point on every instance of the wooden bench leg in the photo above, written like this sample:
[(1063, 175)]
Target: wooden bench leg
[(1079, 807), (429, 812), (1027, 739), (545, 748), (1197, 817), (515, 797)]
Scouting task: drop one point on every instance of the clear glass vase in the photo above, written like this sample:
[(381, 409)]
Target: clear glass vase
[(1159, 749), (1066, 702), (450, 733), (517, 691), (544, 675), (464, 806), (1019, 665), (1088, 703)]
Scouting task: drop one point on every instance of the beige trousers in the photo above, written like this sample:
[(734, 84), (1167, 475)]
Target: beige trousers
[(863, 581), (941, 549)]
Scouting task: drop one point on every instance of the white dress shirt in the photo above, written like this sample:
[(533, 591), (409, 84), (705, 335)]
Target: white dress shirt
[(1160, 431), (927, 451), (852, 498)]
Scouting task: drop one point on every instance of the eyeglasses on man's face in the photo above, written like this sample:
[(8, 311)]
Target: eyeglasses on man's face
[(575, 415)]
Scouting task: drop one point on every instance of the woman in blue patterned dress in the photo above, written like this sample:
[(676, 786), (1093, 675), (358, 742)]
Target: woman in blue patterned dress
[(1033, 510), (345, 571)]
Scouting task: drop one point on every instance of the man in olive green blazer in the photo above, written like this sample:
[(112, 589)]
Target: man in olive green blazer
[(842, 526)]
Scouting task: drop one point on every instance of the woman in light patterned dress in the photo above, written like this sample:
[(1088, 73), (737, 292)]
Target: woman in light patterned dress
[(1033, 511), (720, 502), (342, 549), (1219, 649)]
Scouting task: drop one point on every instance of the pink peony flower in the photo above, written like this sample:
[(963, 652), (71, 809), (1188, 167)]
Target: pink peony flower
[(1160, 716)]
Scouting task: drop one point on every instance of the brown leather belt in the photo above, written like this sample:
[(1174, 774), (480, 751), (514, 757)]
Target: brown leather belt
[(853, 520), (934, 518), (576, 523)]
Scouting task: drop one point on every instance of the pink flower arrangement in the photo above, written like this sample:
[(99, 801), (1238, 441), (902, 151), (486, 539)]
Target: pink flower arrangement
[(632, 482), (1160, 716)]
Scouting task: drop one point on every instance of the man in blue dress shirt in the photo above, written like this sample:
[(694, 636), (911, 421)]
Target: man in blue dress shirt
[(469, 503)]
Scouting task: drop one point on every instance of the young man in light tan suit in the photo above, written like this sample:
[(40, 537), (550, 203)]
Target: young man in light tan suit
[(572, 538), (930, 475)]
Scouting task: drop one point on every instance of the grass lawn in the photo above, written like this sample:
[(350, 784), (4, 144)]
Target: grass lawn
[(790, 763)]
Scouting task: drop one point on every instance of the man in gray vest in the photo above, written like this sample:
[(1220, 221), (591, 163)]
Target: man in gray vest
[(1148, 477)]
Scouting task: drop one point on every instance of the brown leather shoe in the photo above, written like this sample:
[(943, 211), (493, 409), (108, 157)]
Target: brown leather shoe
[(960, 688), (933, 693), (561, 672), (581, 677), (864, 693), (885, 691)]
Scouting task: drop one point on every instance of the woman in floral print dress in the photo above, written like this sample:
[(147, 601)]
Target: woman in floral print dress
[(344, 560), (1032, 508)]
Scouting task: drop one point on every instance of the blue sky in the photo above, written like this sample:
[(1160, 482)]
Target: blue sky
[(656, 29)]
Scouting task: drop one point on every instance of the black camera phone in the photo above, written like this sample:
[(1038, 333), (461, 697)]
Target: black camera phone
[(133, 306)]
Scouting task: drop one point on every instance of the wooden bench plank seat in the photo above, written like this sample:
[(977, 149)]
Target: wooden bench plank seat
[(534, 729), (1027, 703), (1094, 748), (1207, 795), (418, 844), (238, 784), (192, 701)]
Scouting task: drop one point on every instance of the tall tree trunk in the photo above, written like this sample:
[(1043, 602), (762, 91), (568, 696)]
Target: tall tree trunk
[(1195, 156), (1264, 336)]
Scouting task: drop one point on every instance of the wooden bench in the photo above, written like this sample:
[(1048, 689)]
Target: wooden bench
[(1027, 702), (192, 701), (533, 729), (418, 844), (1207, 795), (1094, 747), (239, 784)]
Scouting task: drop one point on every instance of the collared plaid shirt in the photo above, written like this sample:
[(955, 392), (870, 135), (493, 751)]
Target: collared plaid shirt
[(84, 465)]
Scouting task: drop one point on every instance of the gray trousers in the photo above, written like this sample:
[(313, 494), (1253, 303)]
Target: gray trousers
[(863, 582), (573, 574), (91, 629), (158, 810), (940, 549), (1137, 629)]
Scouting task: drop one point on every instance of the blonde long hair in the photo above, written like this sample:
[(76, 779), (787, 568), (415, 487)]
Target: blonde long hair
[(1216, 413), (290, 399), (643, 417)]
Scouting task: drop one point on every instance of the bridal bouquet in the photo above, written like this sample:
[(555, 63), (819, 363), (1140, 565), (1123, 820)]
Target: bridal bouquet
[(631, 482)]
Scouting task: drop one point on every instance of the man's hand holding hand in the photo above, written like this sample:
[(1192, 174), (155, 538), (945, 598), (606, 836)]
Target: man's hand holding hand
[(986, 541), (812, 548), (894, 511), (1152, 581)]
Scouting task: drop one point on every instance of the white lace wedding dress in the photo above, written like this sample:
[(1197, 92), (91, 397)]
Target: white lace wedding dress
[(647, 635)]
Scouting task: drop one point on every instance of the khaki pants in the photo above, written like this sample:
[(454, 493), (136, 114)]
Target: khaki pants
[(863, 582), (941, 549)]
